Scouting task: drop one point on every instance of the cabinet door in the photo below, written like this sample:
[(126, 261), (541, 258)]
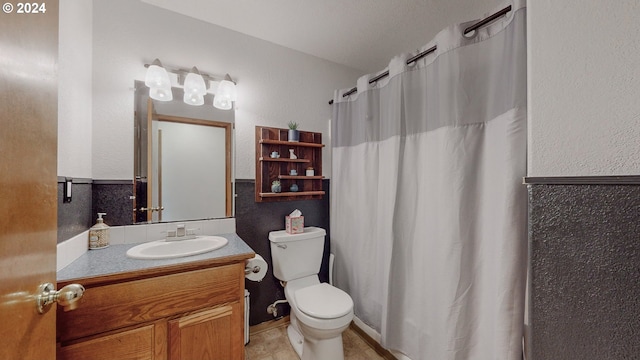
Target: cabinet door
[(213, 334), (136, 344)]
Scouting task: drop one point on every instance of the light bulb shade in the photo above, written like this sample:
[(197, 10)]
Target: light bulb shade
[(193, 99), (194, 84), (161, 94), (222, 104), (225, 95), (157, 77)]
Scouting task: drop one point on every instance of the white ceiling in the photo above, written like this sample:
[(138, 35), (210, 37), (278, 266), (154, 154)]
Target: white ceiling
[(361, 34)]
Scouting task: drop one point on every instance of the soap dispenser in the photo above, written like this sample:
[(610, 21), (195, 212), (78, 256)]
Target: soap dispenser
[(99, 234)]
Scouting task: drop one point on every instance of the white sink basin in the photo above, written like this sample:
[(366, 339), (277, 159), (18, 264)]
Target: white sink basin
[(162, 249)]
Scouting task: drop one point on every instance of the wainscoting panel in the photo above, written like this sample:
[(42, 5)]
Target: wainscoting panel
[(90, 197), (113, 198), (585, 270), (74, 217)]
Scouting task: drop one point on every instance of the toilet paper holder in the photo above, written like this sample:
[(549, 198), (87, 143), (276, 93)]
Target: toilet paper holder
[(248, 270), (255, 268)]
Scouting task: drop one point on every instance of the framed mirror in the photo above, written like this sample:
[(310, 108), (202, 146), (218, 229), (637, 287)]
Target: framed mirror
[(182, 159)]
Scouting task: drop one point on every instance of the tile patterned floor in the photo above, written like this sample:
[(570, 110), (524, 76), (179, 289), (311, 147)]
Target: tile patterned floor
[(273, 344)]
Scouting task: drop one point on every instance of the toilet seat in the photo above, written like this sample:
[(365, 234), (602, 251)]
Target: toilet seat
[(323, 301)]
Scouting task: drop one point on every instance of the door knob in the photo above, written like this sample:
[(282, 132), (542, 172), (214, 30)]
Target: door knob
[(67, 297)]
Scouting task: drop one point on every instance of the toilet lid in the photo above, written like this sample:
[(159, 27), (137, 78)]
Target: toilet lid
[(323, 301)]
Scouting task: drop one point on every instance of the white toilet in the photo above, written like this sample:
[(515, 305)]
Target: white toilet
[(319, 311)]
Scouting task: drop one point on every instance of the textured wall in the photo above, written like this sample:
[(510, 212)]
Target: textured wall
[(74, 217), (74, 88), (583, 71), (585, 268), (115, 200), (89, 198)]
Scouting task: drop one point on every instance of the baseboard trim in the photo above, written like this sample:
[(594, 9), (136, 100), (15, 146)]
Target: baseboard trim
[(268, 325), (374, 344)]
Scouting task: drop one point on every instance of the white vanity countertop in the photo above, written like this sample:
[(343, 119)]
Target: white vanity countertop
[(113, 261)]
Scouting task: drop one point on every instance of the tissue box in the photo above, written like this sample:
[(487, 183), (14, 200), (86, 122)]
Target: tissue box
[(294, 225)]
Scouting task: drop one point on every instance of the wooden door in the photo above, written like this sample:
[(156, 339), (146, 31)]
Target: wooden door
[(213, 334), (28, 179)]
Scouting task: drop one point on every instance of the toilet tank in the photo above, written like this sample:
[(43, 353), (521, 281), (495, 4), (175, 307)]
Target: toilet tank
[(295, 256)]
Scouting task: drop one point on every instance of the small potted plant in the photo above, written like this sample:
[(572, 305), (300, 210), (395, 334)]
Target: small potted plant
[(294, 134)]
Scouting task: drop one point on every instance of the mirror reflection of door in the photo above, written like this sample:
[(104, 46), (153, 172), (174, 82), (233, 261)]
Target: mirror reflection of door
[(195, 178), (188, 183)]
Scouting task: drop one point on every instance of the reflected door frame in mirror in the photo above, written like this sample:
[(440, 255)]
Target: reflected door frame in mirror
[(159, 207)]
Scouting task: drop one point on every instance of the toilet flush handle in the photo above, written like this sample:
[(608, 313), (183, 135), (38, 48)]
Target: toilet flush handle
[(282, 246)]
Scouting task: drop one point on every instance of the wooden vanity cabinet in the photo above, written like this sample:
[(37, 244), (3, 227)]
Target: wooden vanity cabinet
[(196, 314), (207, 334), (127, 344)]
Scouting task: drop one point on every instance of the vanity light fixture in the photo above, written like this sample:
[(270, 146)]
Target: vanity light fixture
[(158, 82), (193, 99), (160, 94), (194, 88), (195, 85), (225, 94)]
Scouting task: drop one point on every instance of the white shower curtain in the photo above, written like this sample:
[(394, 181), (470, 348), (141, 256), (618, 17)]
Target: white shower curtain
[(428, 210)]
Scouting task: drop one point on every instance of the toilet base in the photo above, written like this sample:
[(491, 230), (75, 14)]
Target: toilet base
[(296, 339), (315, 349)]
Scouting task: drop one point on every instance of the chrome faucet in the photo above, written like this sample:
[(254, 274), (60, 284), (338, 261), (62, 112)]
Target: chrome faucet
[(180, 233)]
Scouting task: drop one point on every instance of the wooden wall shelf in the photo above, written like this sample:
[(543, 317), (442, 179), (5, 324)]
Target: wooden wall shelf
[(293, 194), (300, 177), (268, 169), (281, 142), (284, 160)]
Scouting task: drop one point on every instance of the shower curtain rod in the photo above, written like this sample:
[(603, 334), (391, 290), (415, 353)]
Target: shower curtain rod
[(419, 56)]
